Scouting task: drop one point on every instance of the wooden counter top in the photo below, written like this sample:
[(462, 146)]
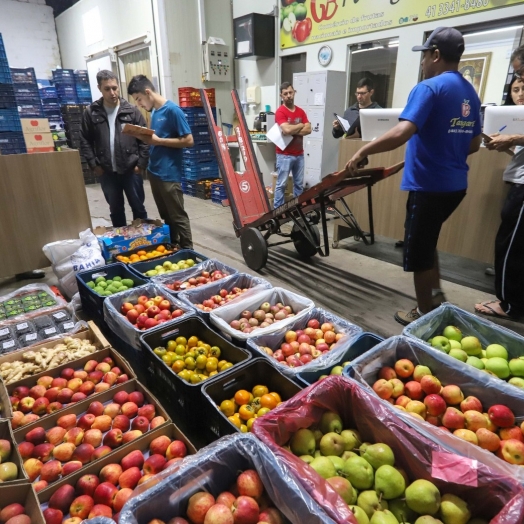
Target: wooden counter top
[(471, 230)]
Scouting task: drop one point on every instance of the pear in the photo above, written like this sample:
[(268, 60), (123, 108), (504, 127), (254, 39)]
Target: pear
[(359, 472), (360, 514), (351, 438), (428, 519), (362, 448), (303, 442), (383, 517), (369, 502), (317, 454), (338, 463), (348, 454), (400, 509), (454, 510), (308, 459), (423, 497), (389, 482), (324, 467), (344, 488), (318, 436), (379, 455), (330, 422), (332, 444)]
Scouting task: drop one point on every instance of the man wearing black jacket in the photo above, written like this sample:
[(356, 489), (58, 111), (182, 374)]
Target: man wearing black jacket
[(119, 160)]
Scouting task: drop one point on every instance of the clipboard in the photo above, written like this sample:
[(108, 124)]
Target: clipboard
[(137, 131), (344, 124), (488, 139), (280, 140)]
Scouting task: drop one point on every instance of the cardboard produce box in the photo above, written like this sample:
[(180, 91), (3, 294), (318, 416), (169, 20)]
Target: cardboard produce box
[(7, 434), (35, 125), (22, 494), (39, 142), (5, 405)]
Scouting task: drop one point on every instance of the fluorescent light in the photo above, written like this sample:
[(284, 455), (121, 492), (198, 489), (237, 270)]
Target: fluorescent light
[(370, 49), (393, 44), (502, 29)]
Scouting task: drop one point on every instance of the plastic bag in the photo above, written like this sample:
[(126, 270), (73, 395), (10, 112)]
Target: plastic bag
[(241, 280), (119, 324), (488, 389), (213, 469), (221, 317), (331, 358), (488, 491), (487, 332), (69, 257)]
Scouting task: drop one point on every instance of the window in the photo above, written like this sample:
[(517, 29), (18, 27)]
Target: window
[(375, 60)]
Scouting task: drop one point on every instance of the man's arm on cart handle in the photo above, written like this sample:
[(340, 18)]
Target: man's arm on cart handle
[(394, 138)]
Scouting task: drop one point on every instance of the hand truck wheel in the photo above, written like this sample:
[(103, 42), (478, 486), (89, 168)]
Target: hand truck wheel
[(254, 248), (303, 246)]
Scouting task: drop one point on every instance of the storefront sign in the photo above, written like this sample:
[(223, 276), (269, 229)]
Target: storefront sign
[(311, 21)]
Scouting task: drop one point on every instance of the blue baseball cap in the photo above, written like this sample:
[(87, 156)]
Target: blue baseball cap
[(447, 40)]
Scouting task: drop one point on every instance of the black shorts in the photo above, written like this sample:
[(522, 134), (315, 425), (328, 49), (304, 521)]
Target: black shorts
[(425, 213)]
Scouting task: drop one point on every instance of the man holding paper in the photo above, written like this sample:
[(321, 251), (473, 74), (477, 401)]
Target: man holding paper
[(293, 122)]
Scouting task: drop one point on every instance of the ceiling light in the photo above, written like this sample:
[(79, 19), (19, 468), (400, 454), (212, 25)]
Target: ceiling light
[(500, 30), (370, 49)]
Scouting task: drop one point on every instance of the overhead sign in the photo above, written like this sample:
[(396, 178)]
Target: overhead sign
[(312, 21)]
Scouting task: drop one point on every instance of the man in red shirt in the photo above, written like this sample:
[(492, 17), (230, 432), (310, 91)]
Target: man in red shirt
[(292, 121)]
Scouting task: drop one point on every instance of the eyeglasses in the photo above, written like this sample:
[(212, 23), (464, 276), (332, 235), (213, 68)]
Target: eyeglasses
[(361, 93)]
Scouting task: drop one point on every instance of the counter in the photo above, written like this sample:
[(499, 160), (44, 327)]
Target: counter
[(471, 230)]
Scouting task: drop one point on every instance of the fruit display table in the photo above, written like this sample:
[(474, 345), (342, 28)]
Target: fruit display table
[(43, 199)]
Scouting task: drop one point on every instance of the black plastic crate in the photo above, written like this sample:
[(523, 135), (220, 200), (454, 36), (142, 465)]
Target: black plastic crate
[(257, 371), (140, 268), (30, 110), (23, 76), (186, 396), (167, 245), (63, 76), (10, 121), (48, 92), (12, 143), (69, 109), (72, 126), (73, 135), (93, 303)]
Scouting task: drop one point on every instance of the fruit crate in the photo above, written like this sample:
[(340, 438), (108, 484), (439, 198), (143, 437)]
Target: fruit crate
[(141, 268), (10, 121), (489, 493), (358, 347), (22, 478), (25, 496), (33, 110), (204, 149), (63, 76), (147, 249), (257, 371), (12, 143), (23, 76), (203, 194), (183, 395), (5, 74), (200, 158), (48, 92), (7, 96), (196, 116), (72, 109), (214, 469), (93, 303), (488, 389)]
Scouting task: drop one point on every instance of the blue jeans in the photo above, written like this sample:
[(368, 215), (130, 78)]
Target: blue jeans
[(285, 165)]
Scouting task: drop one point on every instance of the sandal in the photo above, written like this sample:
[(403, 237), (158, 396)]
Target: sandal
[(491, 312)]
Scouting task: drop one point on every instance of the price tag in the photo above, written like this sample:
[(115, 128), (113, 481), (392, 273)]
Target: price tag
[(4, 331), (22, 326), (59, 315), (32, 336), (8, 345), (452, 468), (69, 325), (50, 331)]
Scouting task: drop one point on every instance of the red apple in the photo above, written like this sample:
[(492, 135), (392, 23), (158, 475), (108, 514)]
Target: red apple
[(121, 397), (500, 415), (51, 471), (110, 473), (83, 453), (133, 459), (113, 438), (121, 422), (137, 397), (105, 493), (140, 423), (154, 464), (71, 467), (87, 484), (81, 506), (53, 516), (129, 478), (86, 421)]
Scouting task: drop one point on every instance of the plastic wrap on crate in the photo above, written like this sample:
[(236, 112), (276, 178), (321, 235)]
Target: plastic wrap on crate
[(242, 280), (213, 469), (488, 389), (331, 358), (489, 491), (221, 317), (487, 332), (211, 264), (119, 324)]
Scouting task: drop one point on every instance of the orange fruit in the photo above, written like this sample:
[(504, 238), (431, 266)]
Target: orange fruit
[(277, 396), (192, 342), (140, 253), (178, 366), (268, 401), (227, 407), (143, 257), (235, 421), (246, 412), (242, 397), (249, 423), (258, 391), (161, 249)]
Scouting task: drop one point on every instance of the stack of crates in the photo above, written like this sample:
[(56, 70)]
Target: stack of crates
[(26, 93), (203, 189), (72, 117), (83, 91), (64, 81), (50, 104), (11, 137), (218, 192)]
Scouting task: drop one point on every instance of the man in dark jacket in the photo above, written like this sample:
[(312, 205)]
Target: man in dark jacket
[(119, 160)]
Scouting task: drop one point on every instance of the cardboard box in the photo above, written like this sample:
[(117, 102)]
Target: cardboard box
[(35, 125), (5, 405), (7, 434), (115, 241), (39, 142), (25, 495)]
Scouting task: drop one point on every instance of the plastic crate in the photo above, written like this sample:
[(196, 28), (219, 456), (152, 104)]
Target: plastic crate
[(140, 268), (360, 345), (10, 121), (167, 245), (48, 92), (186, 396), (245, 376), (81, 76), (69, 109), (93, 303), (64, 76), (7, 96), (30, 110), (196, 151), (5, 72), (200, 159), (209, 167), (23, 76), (12, 143)]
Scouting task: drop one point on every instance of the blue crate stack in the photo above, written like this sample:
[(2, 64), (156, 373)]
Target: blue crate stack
[(218, 192), (83, 91), (11, 137), (64, 81), (26, 93), (200, 162), (50, 105)]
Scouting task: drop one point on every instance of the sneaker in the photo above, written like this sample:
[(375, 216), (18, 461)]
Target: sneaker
[(406, 318), (30, 275)]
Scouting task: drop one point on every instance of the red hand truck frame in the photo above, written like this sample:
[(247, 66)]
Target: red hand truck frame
[(255, 222)]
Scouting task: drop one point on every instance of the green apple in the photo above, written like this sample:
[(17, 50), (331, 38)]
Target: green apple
[(459, 354), (475, 362), (337, 370), (499, 366), (441, 343), (472, 346), (496, 350), (452, 333), (332, 444), (517, 382), (516, 366), (455, 344)]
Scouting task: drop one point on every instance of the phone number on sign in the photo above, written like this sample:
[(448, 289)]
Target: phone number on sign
[(446, 8)]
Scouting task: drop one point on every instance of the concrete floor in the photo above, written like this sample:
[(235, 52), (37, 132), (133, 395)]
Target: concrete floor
[(362, 289)]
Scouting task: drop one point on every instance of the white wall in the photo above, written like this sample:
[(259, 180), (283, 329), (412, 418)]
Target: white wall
[(28, 31)]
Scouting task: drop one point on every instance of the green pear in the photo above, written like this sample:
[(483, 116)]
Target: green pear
[(389, 482), (324, 467), (428, 519), (400, 509), (308, 459), (351, 438), (348, 454), (423, 497), (455, 344), (318, 436), (330, 422), (318, 454), (303, 442), (359, 472), (360, 514), (362, 448), (383, 517), (454, 510), (338, 462), (332, 444), (344, 488), (369, 502), (475, 362), (379, 455)]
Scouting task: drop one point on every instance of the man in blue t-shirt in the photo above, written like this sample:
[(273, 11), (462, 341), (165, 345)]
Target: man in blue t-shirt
[(165, 169), (441, 124)]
